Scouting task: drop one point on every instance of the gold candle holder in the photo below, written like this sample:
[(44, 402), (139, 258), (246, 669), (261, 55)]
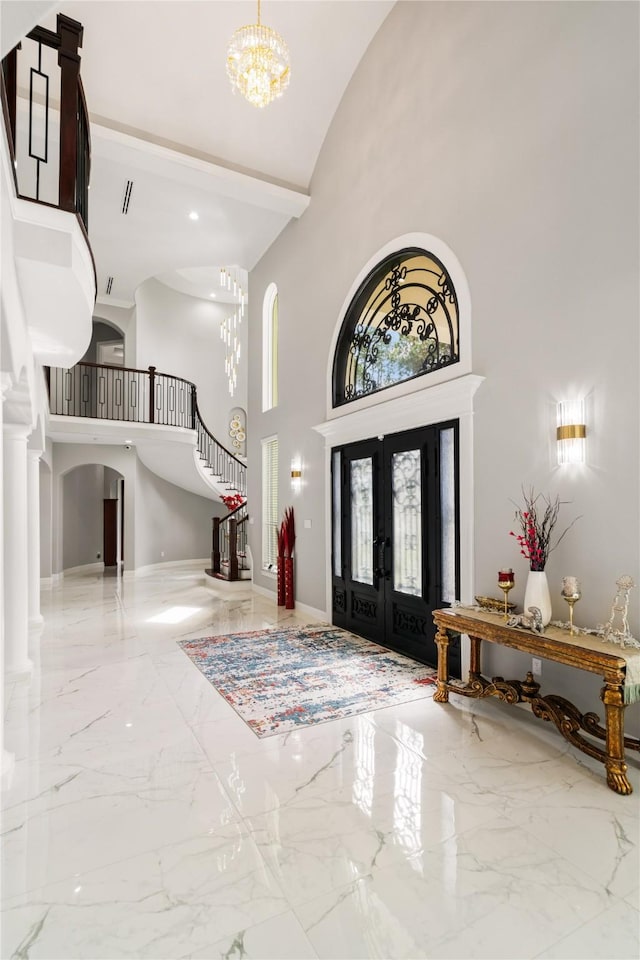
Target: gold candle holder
[(506, 583), (571, 593)]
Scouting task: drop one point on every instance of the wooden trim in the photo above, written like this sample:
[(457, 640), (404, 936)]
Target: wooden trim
[(93, 260), (209, 434), (47, 37), (9, 75), (233, 549), (9, 114), (70, 32), (215, 545)]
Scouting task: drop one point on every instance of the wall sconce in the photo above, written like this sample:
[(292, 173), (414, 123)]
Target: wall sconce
[(571, 432), (296, 475)]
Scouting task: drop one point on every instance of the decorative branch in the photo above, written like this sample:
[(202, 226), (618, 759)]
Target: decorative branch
[(537, 526)]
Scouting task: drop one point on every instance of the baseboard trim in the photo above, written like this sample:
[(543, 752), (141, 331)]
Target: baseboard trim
[(264, 592), (299, 607), (227, 588), (83, 568), (313, 612), (155, 567)]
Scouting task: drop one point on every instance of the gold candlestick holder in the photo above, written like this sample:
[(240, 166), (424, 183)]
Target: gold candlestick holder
[(505, 585), (571, 600), (571, 592)]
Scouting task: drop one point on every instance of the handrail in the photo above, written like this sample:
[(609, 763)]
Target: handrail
[(233, 512), (74, 133), (109, 392), (229, 544), (157, 373), (208, 432)]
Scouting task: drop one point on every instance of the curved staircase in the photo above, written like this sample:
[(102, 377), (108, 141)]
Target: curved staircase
[(161, 415)]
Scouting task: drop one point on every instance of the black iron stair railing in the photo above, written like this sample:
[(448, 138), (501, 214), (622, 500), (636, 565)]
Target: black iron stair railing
[(105, 392), (229, 557)]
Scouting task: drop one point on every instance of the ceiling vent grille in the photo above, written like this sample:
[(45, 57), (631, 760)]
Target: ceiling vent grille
[(126, 199), (108, 286)]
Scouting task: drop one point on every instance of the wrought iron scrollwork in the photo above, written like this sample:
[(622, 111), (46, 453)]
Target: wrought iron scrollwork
[(402, 323)]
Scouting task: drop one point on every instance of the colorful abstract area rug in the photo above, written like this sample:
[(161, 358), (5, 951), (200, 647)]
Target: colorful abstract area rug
[(282, 679)]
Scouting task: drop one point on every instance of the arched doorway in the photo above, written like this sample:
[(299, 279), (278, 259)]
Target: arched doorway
[(107, 344), (93, 519)]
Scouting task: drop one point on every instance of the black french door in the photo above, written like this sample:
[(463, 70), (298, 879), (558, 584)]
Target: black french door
[(396, 537)]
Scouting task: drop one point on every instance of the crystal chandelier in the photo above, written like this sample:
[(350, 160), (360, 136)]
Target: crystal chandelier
[(230, 325), (258, 63)]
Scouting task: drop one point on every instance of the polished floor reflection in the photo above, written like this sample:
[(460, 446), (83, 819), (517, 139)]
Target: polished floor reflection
[(145, 819)]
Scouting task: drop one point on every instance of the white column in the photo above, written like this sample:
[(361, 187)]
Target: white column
[(7, 759), (33, 524), (15, 552)]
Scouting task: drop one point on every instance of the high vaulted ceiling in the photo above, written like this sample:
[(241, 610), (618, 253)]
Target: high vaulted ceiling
[(164, 117)]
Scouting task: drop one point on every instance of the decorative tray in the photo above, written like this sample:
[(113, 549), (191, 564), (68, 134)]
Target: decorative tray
[(490, 603)]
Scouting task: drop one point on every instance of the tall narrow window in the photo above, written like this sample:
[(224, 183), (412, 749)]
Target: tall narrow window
[(270, 348), (270, 503)]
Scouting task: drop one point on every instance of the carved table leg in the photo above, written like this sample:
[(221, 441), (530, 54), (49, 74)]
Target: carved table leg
[(442, 639), (613, 700), (474, 658)]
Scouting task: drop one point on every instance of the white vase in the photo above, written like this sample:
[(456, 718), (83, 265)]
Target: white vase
[(537, 594)]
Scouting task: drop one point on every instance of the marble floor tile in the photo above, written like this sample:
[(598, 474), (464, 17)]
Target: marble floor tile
[(73, 819), (169, 903), (633, 898), (279, 938), (612, 935), (144, 818), (307, 763), (490, 893), (565, 820)]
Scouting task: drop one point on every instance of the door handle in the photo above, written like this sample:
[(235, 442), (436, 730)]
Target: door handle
[(381, 543)]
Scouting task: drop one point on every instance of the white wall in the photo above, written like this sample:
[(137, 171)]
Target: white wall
[(82, 495), (180, 335), (171, 524), (159, 518), (510, 131), (17, 19)]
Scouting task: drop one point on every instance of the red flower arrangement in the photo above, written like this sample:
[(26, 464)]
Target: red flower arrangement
[(537, 526), (233, 501), (287, 534)]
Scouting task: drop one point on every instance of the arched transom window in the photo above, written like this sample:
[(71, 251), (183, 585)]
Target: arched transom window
[(402, 323)]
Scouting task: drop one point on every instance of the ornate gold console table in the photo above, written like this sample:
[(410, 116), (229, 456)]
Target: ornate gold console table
[(620, 670)]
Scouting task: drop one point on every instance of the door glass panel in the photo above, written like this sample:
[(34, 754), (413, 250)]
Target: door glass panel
[(337, 516), (448, 514), (362, 520), (407, 517)]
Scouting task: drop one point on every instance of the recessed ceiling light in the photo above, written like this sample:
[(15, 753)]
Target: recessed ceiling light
[(194, 215), (212, 294)]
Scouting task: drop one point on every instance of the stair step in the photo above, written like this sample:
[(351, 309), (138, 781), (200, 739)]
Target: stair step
[(242, 575)]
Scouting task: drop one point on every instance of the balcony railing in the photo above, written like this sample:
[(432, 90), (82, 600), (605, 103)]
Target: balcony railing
[(107, 392), (46, 118)]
